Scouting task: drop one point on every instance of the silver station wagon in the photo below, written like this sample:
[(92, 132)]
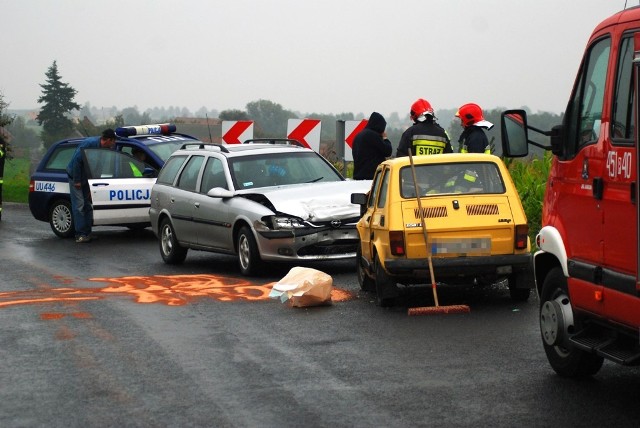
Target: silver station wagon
[(264, 200)]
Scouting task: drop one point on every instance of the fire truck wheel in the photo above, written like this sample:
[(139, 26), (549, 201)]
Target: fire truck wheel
[(556, 323)]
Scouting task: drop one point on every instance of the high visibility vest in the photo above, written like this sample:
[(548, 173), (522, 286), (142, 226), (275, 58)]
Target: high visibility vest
[(134, 169), (487, 149)]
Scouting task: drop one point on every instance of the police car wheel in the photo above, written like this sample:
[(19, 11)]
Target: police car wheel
[(248, 254), (171, 251), (60, 218)]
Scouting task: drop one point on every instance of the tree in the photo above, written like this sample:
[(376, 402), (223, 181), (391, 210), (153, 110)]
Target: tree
[(233, 115), (57, 99), (5, 120), (23, 136), (270, 118)]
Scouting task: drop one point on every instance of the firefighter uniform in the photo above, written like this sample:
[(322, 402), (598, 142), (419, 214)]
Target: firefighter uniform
[(474, 140), (424, 138)]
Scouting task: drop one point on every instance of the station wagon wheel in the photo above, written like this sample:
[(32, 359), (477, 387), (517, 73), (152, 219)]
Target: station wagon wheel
[(248, 255), (170, 250), (557, 322), (60, 218), (365, 281), (384, 285)]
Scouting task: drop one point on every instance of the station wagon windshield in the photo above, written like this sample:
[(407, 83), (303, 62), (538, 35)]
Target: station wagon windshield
[(279, 169)]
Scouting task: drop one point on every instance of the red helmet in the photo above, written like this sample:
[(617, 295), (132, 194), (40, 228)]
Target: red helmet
[(470, 114), (420, 107)]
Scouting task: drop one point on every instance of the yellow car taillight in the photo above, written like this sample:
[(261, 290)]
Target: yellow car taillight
[(522, 236), (396, 241)]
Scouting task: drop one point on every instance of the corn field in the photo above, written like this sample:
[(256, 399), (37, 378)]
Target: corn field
[(530, 178)]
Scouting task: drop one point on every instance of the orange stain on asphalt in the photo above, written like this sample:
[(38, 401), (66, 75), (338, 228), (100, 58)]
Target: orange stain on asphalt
[(58, 315), (171, 290)]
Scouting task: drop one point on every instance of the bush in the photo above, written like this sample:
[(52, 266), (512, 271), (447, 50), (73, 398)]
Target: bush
[(16, 180)]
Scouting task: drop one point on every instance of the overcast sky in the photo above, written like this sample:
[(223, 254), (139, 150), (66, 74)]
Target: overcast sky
[(324, 56)]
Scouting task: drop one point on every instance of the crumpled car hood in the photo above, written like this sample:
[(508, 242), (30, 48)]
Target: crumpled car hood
[(314, 201)]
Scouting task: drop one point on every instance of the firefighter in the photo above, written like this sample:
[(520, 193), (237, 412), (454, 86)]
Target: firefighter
[(425, 136), (3, 154), (473, 138)]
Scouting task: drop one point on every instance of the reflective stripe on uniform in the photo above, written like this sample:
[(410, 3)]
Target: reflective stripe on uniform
[(134, 170), (428, 144), (469, 177)]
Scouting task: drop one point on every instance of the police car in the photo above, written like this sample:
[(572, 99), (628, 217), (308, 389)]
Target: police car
[(120, 180)]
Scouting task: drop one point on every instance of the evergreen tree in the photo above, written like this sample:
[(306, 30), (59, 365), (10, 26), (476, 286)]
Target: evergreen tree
[(5, 121), (57, 99)]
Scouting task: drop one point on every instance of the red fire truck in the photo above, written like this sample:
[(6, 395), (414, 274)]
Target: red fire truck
[(586, 269)]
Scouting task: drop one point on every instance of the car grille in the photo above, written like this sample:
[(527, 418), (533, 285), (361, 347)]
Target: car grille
[(431, 212), (482, 209), (347, 223), (439, 212), (344, 246)]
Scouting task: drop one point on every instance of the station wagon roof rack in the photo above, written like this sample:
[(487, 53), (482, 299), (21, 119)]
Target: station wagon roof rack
[(201, 145), (285, 141)]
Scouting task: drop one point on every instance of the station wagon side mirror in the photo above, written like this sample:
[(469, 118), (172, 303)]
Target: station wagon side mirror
[(219, 192)]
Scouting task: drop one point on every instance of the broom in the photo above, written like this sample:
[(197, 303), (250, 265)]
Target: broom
[(437, 309)]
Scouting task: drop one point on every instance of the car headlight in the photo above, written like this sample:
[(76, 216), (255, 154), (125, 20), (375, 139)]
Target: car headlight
[(280, 222)]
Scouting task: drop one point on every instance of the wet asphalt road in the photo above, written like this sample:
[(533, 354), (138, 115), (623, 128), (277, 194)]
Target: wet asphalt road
[(106, 334)]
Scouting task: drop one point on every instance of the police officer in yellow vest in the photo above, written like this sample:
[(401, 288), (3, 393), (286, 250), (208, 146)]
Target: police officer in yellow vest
[(473, 138), (141, 156), (425, 136)]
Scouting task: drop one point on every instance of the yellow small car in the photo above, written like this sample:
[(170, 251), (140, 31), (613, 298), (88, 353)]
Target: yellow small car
[(476, 228)]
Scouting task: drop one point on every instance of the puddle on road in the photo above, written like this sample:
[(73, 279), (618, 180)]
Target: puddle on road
[(171, 290)]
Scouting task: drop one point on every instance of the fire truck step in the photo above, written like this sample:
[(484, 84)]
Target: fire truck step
[(619, 350)]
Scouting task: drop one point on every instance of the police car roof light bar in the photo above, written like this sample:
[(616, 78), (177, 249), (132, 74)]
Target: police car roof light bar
[(158, 129)]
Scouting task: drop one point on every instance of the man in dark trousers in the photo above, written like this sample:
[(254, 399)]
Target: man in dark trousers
[(370, 147), (81, 208)]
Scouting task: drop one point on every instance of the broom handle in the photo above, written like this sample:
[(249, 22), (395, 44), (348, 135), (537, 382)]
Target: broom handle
[(424, 229)]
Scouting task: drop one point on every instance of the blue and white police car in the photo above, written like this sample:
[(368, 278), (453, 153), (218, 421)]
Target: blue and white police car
[(120, 180)]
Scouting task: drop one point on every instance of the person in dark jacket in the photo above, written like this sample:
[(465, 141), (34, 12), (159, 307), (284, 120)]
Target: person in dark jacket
[(425, 136), (81, 209), (473, 139), (370, 147)]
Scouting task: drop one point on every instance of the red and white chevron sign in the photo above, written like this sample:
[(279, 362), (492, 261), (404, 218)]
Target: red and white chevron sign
[(307, 131), (351, 129), (236, 131)]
